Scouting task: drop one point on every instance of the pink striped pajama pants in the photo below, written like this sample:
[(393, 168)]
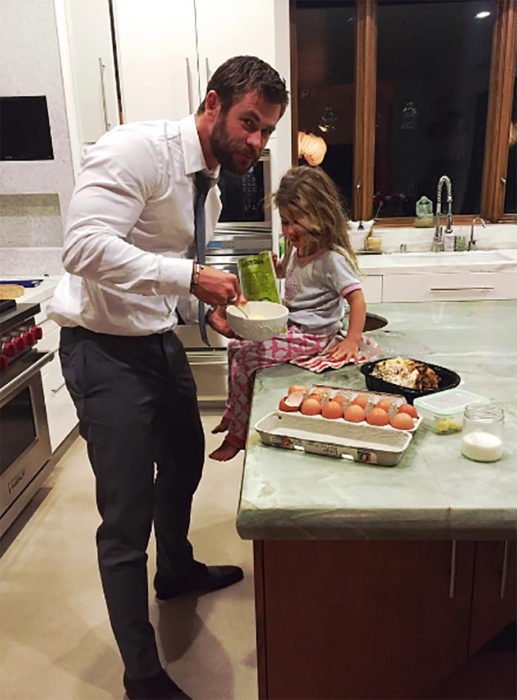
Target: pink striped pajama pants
[(245, 357)]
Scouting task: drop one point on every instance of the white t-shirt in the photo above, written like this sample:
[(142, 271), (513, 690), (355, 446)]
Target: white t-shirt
[(315, 291)]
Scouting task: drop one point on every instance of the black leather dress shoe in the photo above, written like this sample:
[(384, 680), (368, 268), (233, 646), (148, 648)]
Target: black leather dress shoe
[(159, 687), (203, 578)]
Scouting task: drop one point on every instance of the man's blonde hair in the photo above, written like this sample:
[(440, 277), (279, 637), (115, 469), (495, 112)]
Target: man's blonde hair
[(308, 196)]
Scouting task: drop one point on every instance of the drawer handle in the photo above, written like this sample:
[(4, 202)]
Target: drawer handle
[(55, 391), (504, 577), (452, 580), (461, 289)]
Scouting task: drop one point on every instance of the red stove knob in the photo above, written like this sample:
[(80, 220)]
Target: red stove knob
[(3, 362), (29, 338), (20, 343), (9, 349), (38, 332)]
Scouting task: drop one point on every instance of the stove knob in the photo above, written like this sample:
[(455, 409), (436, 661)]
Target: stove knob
[(9, 349), (3, 362), (20, 343), (29, 338), (38, 332)]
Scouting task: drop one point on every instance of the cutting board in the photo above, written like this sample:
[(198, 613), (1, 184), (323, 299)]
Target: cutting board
[(11, 291)]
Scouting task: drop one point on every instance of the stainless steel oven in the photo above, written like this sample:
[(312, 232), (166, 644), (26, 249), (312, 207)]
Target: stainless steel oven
[(24, 435)]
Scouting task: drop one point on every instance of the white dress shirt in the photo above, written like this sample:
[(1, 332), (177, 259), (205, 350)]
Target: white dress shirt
[(129, 239)]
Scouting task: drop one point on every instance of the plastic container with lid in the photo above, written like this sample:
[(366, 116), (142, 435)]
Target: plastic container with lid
[(443, 411)]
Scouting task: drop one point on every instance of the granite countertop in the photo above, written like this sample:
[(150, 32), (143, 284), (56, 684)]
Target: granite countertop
[(434, 492)]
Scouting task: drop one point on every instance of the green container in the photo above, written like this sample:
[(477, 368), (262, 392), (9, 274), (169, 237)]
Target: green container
[(460, 242)]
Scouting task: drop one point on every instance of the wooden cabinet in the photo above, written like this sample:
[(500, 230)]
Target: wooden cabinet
[(93, 68), (360, 619), (462, 286), (168, 50), (371, 619), (494, 603)]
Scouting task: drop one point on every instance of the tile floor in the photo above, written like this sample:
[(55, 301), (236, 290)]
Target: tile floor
[(55, 639)]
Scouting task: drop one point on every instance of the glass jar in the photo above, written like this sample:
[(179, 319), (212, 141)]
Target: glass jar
[(483, 432)]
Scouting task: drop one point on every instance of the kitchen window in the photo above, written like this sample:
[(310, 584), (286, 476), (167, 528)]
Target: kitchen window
[(411, 90)]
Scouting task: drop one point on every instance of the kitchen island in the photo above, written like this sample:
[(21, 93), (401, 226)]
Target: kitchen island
[(375, 582)]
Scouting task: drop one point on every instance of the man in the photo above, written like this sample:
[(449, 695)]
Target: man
[(142, 205)]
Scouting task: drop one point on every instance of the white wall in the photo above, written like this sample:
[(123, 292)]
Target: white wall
[(30, 65)]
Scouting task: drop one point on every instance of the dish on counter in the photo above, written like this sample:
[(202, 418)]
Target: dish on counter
[(409, 377)]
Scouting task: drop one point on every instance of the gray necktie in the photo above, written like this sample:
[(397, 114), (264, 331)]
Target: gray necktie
[(202, 185)]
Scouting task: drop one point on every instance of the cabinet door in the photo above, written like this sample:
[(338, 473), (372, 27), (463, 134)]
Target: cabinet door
[(156, 43), (495, 591), (233, 28), (93, 70), (361, 620)]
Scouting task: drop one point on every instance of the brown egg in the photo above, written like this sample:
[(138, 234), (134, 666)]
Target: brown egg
[(378, 416), (355, 414), (283, 406), (319, 391), (360, 400), (296, 387), (410, 410), (402, 421), (332, 409), (384, 404), (311, 407), (340, 398)]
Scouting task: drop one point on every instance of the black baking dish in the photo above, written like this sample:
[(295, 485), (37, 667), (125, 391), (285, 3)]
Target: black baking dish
[(448, 380)]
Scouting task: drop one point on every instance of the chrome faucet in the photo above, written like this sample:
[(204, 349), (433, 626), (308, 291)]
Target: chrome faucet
[(438, 234), (472, 240)]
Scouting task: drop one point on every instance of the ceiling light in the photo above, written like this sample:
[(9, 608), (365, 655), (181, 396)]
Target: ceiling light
[(482, 15)]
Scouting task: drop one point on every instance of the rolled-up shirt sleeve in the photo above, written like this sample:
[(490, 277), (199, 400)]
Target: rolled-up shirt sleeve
[(120, 173)]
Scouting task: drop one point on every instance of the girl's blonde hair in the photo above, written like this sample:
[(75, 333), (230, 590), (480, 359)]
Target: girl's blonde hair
[(310, 198)]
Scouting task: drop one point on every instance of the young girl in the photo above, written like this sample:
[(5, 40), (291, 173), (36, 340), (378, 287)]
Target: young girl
[(320, 271)]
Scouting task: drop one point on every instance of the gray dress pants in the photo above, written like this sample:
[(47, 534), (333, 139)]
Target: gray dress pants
[(138, 412)]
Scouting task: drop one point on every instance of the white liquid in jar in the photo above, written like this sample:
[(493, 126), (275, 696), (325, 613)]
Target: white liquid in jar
[(482, 447)]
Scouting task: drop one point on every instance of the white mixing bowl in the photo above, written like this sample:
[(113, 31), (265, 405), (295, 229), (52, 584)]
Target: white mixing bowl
[(265, 320)]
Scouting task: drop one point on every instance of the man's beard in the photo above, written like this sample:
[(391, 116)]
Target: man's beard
[(224, 149)]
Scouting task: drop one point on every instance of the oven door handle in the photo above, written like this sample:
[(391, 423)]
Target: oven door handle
[(25, 376)]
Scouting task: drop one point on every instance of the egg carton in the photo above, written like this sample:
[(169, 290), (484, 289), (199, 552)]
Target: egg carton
[(359, 442), (375, 396)]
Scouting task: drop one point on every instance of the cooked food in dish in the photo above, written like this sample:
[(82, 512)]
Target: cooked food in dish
[(408, 373)]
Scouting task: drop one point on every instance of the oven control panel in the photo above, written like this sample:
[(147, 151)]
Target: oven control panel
[(17, 340)]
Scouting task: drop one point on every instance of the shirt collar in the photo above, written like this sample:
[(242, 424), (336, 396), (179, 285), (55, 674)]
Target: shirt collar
[(192, 151)]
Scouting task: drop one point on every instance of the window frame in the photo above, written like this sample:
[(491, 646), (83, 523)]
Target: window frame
[(500, 98)]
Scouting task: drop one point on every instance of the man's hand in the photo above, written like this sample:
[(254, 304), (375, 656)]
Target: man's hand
[(216, 287), (345, 350), (218, 321)]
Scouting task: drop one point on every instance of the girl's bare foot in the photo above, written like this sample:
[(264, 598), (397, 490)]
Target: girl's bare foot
[(225, 452), (222, 427)]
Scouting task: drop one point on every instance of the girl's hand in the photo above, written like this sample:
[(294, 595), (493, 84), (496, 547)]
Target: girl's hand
[(345, 350), (277, 264)]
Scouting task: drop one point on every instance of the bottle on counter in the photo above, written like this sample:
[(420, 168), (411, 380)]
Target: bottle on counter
[(483, 432), (448, 242)]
